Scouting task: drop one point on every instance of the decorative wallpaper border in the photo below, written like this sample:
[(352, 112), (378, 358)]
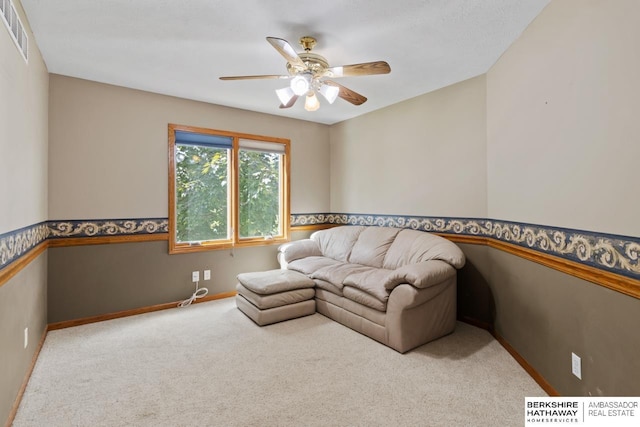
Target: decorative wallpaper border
[(107, 227), (16, 243), (613, 253)]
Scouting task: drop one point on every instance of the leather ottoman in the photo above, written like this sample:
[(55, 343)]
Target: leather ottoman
[(272, 296)]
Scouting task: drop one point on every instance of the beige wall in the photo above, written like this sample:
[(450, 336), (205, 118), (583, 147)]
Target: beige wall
[(562, 120), (23, 304), (425, 156), (87, 281), (108, 149), (23, 202), (562, 150), (23, 133), (546, 315)]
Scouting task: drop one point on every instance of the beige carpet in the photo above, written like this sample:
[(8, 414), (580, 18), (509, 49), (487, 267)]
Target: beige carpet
[(209, 365)]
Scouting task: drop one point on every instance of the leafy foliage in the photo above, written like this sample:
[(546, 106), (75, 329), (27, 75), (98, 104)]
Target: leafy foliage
[(202, 193), (259, 193)]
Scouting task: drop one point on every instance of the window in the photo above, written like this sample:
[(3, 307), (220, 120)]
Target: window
[(226, 189), (12, 21)]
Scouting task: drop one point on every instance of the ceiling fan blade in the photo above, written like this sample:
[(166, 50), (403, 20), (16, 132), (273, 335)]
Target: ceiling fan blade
[(266, 76), (364, 69), (286, 50), (289, 104), (347, 94)]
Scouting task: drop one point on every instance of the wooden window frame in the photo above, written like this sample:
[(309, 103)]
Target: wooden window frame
[(234, 198)]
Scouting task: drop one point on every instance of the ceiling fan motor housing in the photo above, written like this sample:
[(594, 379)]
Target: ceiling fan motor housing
[(314, 63)]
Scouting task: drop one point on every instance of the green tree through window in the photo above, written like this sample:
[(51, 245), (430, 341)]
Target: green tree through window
[(201, 193), (259, 194), (226, 189)]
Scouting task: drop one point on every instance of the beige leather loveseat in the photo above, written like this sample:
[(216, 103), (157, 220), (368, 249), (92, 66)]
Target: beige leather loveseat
[(397, 286)]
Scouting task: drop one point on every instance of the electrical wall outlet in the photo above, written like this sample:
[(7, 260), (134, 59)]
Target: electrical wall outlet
[(195, 276), (576, 365), (26, 337), (207, 275)]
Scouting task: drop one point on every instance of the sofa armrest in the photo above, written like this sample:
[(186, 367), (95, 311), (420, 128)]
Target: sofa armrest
[(297, 249), (423, 274), (416, 316), (405, 297)]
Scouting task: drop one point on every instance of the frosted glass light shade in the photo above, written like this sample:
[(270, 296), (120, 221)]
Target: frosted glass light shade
[(285, 94), (311, 103), (299, 85), (329, 92)]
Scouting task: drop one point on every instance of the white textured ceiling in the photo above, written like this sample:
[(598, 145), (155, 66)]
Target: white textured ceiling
[(180, 48)]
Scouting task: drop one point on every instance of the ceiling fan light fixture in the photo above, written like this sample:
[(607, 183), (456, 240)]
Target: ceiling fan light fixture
[(307, 71), (285, 94), (300, 84), (330, 92), (311, 103)]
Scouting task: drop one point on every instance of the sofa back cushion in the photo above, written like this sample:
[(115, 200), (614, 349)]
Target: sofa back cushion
[(372, 245), (412, 246), (337, 242)]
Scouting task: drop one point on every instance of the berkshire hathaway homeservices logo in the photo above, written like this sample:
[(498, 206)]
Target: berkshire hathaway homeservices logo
[(582, 411)]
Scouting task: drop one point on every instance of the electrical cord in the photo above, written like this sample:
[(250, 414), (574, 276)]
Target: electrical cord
[(199, 293)]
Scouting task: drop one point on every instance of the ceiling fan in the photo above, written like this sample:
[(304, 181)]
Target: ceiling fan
[(310, 73)]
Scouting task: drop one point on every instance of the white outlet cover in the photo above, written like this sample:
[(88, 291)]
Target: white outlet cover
[(207, 275), (576, 365), (195, 276), (26, 337)]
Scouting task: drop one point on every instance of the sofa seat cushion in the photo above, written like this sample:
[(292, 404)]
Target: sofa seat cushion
[(329, 287), (337, 273), (376, 281), (375, 316), (311, 264), (364, 298)]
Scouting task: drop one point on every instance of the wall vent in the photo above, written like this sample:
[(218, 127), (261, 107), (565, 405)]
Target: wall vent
[(14, 25)]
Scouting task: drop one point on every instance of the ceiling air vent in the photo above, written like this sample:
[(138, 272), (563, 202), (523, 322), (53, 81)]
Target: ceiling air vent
[(14, 25)]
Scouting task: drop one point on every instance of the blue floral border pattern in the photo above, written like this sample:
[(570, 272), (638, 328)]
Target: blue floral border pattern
[(18, 242), (613, 253), (298, 220), (108, 227)]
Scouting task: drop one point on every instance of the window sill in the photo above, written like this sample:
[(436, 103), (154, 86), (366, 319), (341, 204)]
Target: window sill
[(182, 248)]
